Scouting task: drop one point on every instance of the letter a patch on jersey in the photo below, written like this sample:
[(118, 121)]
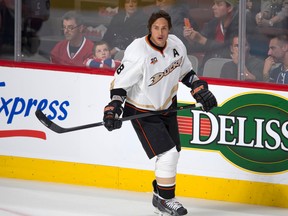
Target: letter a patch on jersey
[(175, 52)]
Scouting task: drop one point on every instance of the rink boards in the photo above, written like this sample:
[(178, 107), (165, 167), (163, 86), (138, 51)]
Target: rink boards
[(237, 152)]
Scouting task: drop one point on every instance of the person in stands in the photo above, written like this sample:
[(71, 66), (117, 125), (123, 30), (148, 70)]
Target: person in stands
[(273, 15), (129, 23), (75, 48), (277, 54), (102, 57), (253, 65)]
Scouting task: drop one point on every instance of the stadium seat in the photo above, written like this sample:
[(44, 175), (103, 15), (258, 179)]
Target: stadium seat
[(119, 55), (213, 67), (194, 61)]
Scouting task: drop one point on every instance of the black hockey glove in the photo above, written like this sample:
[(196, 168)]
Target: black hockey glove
[(202, 95), (112, 113)]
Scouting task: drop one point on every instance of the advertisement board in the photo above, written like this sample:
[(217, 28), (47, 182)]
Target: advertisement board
[(243, 141)]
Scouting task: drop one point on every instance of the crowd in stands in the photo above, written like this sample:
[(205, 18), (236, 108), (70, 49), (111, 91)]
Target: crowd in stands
[(217, 37), (33, 15)]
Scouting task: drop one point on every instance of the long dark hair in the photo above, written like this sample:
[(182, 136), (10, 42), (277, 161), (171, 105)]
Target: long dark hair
[(157, 15)]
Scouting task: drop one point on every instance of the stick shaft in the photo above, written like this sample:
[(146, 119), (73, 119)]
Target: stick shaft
[(58, 129)]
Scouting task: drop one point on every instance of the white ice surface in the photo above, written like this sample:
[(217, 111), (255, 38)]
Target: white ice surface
[(31, 198)]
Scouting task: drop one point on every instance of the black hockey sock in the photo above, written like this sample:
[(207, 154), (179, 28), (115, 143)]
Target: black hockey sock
[(154, 184), (166, 192)]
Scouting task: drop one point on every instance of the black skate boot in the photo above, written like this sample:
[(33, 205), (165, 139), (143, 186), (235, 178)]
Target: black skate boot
[(170, 207)]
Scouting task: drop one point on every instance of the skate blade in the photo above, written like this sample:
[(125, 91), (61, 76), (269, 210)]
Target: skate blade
[(156, 211), (163, 213)]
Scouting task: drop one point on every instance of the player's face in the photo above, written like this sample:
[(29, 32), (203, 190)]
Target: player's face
[(277, 50), (70, 29), (159, 32), (102, 52), (220, 9)]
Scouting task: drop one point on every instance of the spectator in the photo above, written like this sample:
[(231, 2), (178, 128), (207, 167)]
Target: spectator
[(277, 54), (270, 18), (7, 19), (33, 15), (102, 57), (252, 8), (129, 23), (258, 41), (75, 48), (253, 65), (249, 5), (214, 39)]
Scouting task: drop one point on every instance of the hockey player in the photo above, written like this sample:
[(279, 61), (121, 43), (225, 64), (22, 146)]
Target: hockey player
[(147, 80)]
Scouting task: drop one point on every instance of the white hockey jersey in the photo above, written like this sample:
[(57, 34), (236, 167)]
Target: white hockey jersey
[(151, 77)]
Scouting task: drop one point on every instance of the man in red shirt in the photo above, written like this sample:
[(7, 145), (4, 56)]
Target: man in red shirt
[(75, 48)]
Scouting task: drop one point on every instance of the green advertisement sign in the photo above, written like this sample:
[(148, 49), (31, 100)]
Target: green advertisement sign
[(250, 130)]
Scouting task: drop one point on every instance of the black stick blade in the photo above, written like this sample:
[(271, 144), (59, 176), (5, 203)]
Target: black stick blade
[(43, 119), (48, 123)]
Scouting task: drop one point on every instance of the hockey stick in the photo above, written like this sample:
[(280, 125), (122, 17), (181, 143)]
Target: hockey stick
[(56, 128)]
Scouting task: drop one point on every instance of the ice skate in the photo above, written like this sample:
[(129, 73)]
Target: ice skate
[(170, 207), (155, 197), (155, 203)]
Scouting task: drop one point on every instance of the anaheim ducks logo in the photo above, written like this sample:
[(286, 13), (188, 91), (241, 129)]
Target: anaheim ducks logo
[(158, 76)]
